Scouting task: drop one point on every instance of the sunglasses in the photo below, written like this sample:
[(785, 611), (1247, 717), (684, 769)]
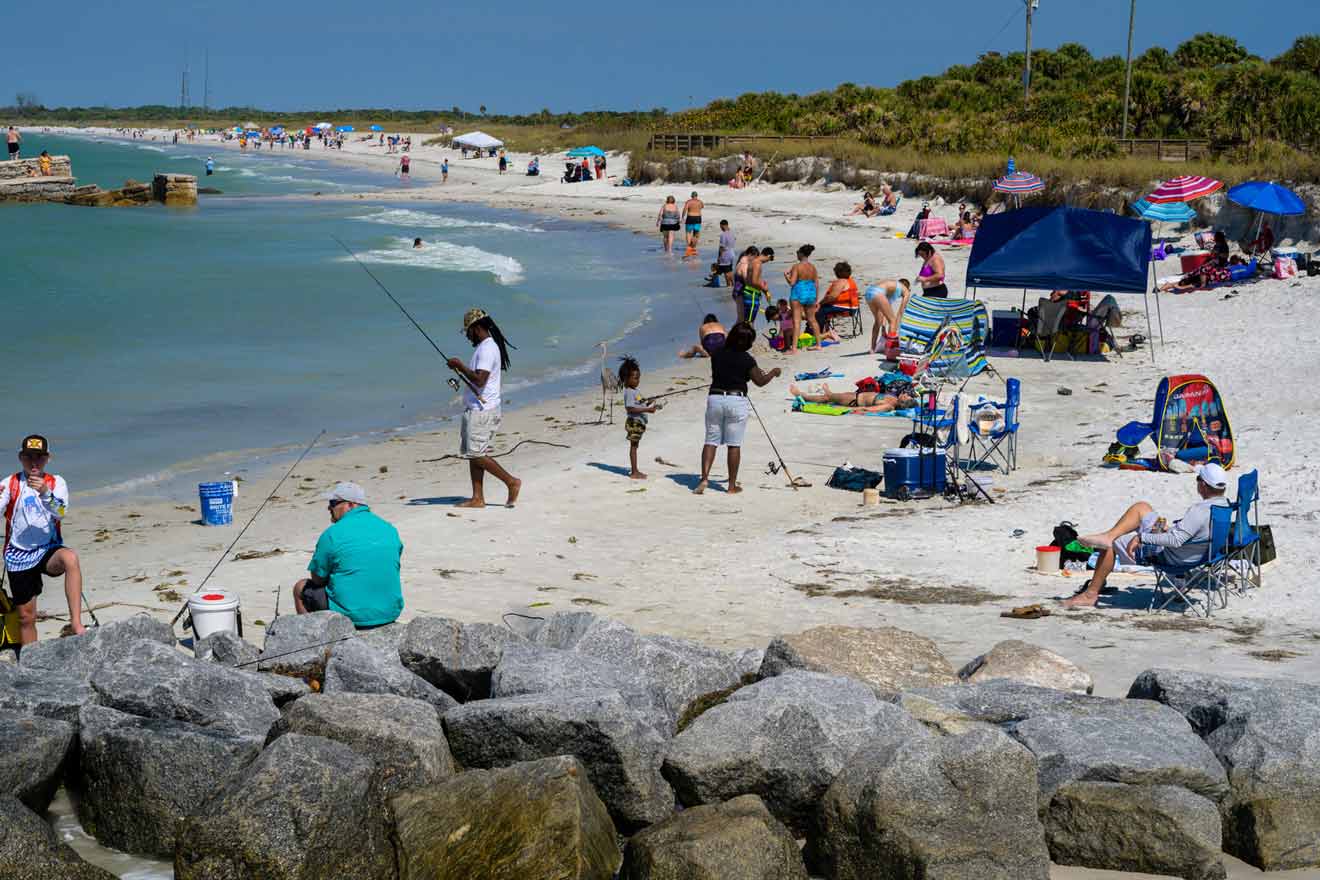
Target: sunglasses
[(330, 505), (33, 456)]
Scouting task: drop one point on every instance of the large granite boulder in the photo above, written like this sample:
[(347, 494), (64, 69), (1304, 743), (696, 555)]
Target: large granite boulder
[(155, 681), (300, 644), (886, 659), (357, 667), (140, 776), (402, 736), (1266, 732), (621, 753), (57, 695), (305, 809), (79, 656), (735, 840), (531, 820), (227, 649), (1152, 829), (30, 849), (33, 755), (1029, 664), (673, 672), (784, 739), (283, 689), (932, 807), (1130, 741), (456, 657), (998, 701)]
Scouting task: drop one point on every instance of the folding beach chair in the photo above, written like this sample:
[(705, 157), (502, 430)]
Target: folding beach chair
[(1213, 575), (853, 317), (1244, 548), (1049, 321), (1000, 443)]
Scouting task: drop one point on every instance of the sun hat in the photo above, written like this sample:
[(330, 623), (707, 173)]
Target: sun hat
[(472, 316), (1212, 475), (350, 492)]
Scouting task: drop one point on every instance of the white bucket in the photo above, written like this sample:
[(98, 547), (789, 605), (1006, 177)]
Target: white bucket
[(213, 611), (985, 481), (1047, 559)]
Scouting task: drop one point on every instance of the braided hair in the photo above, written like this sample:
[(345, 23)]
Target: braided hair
[(488, 324)]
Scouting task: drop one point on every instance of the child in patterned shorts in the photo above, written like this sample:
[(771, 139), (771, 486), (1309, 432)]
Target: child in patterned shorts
[(630, 376)]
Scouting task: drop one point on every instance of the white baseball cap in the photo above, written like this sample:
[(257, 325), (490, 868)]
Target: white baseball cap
[(350, 492), (1212, 475)]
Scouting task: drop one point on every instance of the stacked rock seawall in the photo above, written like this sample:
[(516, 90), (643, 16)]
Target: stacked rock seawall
[(21, 180)]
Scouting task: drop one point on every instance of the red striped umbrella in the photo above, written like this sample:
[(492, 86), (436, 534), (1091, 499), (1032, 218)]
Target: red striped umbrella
[(1019, 182), (1184, 189)]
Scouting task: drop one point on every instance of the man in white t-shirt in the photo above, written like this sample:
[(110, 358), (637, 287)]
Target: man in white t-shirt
[(34, 503), (481, 405)]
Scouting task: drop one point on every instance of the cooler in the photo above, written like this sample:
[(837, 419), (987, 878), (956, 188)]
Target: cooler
[(1004, 327), (909, 470), (1192, 260)]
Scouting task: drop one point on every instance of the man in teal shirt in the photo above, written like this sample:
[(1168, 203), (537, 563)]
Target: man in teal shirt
[(355, 569)]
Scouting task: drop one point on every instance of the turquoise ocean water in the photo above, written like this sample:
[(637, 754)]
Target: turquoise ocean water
[(156, 347)]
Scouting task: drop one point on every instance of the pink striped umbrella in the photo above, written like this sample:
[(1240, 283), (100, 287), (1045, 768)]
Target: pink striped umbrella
[(1184, 189)]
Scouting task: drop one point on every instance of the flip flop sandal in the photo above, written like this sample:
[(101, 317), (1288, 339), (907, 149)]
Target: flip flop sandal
[(1027, 612)]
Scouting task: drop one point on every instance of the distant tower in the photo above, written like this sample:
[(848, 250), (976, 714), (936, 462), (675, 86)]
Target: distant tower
[(206, 83), (184, 101)]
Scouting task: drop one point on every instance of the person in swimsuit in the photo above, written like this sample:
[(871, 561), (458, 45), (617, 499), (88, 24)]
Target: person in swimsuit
[(711, 334), (724, 259), (931, 276), (692, 209), (667, 222), (861, 401), (15, 140), (866, 207), (740, 269), (801, 278), (404, 163), (755, 292), (887, 300), (888, 200), (840, 297)]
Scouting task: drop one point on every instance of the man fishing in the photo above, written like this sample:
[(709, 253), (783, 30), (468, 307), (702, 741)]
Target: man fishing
[(481, 405), (34, 502), (355, 567)]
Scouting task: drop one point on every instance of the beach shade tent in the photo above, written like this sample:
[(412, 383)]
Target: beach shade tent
[(1190, 425), (1063, 248), (584, 152), (251, 126), (477, 140), (923, 318), (375, 128), (1184, 189), (323, 125), (344, 128), (1267, 198)]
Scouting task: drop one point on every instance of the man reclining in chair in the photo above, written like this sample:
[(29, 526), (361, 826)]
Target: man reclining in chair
[(1141, 538)]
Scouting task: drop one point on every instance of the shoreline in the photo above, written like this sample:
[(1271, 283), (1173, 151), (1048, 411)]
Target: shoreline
[(734, 571)]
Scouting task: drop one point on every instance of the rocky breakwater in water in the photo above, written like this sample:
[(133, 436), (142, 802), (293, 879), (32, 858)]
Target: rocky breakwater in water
[(21, 180), (578, 747)]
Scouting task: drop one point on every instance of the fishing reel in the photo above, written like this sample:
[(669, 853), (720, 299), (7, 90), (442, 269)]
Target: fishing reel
[(772, 468), (452, 383)]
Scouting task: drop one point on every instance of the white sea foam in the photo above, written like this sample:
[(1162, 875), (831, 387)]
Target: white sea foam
[(151, 148), (423, 220), (447, 257)]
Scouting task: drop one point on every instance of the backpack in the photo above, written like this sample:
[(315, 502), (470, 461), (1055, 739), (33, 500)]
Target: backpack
[(854, 479), (1065, 538)]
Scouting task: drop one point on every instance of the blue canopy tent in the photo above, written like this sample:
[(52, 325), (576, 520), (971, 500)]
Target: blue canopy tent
[(375, 128), (1063, 249), (580, 152)]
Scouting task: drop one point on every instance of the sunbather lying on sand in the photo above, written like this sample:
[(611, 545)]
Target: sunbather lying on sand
[(861, 401)]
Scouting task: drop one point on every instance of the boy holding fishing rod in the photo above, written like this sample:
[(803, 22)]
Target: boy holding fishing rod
[(34, 503), (630, 376), (481, 405)]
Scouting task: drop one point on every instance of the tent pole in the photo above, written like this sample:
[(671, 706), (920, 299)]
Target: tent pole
[(1151, 338), (1022, 316)]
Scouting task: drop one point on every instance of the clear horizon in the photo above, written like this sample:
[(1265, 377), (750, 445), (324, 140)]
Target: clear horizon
[(327, 55)]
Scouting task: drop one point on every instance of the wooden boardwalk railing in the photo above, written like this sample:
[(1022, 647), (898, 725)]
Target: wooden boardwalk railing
[(695, 142)]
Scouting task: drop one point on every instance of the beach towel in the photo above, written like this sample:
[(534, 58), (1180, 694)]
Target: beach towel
[(820, 409), (818, 374)]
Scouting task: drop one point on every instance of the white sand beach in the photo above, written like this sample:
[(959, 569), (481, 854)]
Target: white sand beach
[(734, 571)]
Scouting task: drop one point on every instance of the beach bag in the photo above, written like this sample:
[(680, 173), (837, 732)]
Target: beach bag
[(1267, 551), (918, 439), (869, 385), (854, 479), (1285, 267), (1065, 538)]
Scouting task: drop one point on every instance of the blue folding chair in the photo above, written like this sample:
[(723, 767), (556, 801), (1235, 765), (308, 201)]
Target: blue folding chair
[(1212, 574), (1244, 548), (1000, 443)]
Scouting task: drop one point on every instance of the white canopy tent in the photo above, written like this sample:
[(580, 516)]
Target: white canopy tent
[(478, 140)]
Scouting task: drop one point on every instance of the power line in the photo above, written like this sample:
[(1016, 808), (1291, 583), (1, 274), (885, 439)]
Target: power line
[(1016, 13)]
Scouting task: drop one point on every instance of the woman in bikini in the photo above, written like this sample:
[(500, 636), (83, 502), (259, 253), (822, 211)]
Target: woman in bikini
[(667, 221), (931, 276), (887, 300), (801, 278), (712, 334), (860, 401)]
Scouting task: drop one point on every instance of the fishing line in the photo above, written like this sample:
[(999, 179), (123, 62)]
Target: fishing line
[(673, 393), (792, 480), (408, 315), (506, 452), (287, 474)]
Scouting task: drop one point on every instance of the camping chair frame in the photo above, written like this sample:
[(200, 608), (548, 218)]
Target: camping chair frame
[(1244, 547), (853, 327), (951, 446), (1001, 444), (1214, 575), (1049, 324)]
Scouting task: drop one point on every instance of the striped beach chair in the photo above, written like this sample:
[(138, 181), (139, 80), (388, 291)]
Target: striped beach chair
[(925, 316)]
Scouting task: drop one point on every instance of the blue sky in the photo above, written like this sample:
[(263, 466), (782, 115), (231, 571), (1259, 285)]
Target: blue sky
[(291, 54)]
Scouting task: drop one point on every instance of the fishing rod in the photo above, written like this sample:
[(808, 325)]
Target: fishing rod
[(792, 480), (672, 393), (234, 543), (408, 315)]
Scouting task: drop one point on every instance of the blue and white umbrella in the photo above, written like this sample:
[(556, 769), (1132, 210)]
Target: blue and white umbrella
[(343, 128), (1168, 212), (376, 128)]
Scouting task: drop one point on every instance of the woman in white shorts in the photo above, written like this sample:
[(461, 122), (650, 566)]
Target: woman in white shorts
[(727, 407)]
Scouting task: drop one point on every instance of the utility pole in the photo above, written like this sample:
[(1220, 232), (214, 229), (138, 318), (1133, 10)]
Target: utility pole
[(1026, 74), (1127, 83)]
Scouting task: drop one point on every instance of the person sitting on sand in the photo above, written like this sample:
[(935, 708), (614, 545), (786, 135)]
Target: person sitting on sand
[(34, 503), (866, 207), (859, 401), (1141, 538), (965, 227), (711, 336), (355, 567), (888, 200)]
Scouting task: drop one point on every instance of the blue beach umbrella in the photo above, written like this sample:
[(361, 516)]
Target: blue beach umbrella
[(344, 128), (1269, 198), (580, 152), (376, 128)]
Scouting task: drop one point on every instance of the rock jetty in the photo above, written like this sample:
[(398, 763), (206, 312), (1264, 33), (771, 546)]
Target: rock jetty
[(581, 748), (21, 180)]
